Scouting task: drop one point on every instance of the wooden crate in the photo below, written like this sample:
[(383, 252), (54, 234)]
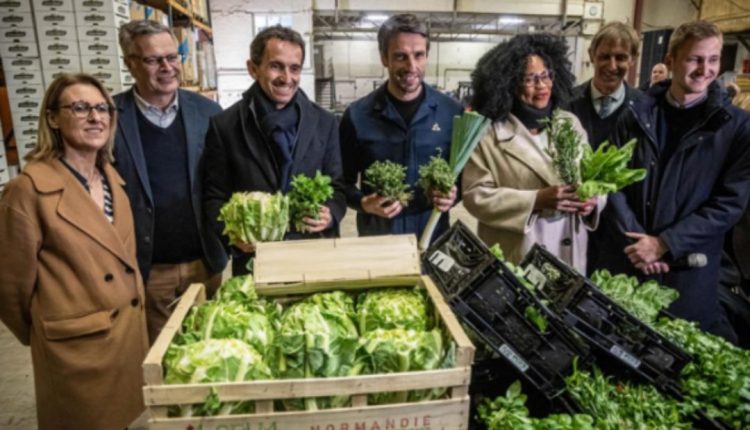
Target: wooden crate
[(363, 263)]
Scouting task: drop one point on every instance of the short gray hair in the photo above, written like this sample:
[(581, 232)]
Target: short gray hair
[(135, 29)]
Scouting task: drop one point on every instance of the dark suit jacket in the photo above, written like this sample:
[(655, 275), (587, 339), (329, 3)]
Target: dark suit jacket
[(598, 129), (239, 158), (131, 164)]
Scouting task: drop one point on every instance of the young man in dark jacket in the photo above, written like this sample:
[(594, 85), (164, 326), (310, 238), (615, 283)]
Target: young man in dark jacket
[(404, 121), (272, 134), (694, 145)]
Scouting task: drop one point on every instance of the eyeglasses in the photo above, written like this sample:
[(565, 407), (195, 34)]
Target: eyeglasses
[(82, 110), (156, 60), (546, 77)]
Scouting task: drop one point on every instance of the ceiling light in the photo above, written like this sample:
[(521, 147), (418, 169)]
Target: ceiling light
[(510, 20)]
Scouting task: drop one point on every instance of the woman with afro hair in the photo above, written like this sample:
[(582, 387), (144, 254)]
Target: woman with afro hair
[(509, 183)]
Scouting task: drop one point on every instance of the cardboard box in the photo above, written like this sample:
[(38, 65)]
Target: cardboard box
[(99, 48), (24, 77), (97, 34), (51, 47), (19, 91), (47, 19), (58, 33), (187, 49), (16, 50), (121, 7), (49, 76), (138, 11), (326, 265), (101, 19), (52, 5), (70, 63), (25, 104), (22, 64), (11, 6), (18, 35), (16, 20), (92, 63)]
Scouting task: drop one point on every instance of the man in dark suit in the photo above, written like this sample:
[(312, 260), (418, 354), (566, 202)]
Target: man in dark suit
[(600, 101), (158, 146), (272, 134)]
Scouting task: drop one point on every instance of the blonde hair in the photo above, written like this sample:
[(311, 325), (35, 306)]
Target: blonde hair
[(50, 144), (695, 30), (616, 31)]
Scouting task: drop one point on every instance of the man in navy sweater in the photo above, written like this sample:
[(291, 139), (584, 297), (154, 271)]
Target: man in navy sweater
[(158, 146)]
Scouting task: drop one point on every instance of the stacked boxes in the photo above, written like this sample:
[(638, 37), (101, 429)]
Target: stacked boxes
[(4, 174), (56, 33), (23, 74), (186, 46), (97, 22)]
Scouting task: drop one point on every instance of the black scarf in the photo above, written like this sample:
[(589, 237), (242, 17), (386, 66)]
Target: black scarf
[(279, 127), (529, 115)]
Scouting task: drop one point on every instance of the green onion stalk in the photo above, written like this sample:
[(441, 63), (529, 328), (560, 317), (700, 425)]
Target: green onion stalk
[(468, 128)]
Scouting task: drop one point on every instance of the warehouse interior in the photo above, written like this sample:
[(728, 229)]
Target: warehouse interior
[(342, 65)]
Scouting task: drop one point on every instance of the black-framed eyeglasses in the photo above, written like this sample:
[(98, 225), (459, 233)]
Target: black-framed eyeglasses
[(155, 60), (532, 79), (82, 110)]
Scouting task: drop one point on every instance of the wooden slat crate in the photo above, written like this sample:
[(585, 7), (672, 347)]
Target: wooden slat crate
[(450, 413)]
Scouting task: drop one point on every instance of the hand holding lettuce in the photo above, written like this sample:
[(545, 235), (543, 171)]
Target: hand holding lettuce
[(307, 196), (255, 217)]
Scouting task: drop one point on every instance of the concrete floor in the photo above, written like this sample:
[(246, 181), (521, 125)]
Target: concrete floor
[(17, 404)]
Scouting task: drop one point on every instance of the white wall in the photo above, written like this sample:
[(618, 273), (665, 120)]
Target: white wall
[(235, 23)]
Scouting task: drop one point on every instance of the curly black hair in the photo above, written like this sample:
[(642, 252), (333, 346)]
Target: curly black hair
[(499, 73)]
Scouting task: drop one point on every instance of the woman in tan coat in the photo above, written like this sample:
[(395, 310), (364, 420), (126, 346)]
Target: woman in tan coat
[(69, 281), (509, 183)]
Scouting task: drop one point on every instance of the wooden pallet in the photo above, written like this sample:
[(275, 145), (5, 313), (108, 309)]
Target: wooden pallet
[(451, 413)]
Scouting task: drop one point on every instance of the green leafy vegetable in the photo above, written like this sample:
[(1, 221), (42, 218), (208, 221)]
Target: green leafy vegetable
[(388, 180), (255, 325), (719, 377), (605, 170), (214, 360), (564, 147), (239, 289), (509, 412), (467, 129), (389, 308), (318, 338), (625, 405), (399, 350), (535, 316), (644, 301), (306, 197), (436, 175), (255, 217)]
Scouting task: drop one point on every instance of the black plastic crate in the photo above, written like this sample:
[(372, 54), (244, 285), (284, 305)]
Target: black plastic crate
[(493, 304), (602, 322)]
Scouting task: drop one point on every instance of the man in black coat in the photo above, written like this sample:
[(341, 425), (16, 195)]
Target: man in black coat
[(158, 146), (599, 101), (273, 133), (694, 145)]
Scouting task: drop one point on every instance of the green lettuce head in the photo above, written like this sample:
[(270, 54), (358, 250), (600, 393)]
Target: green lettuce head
[(390, 308)]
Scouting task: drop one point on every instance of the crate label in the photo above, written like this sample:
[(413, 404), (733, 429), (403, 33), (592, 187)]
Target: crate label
[(535, 276), (625, 357), (415, 422), (442, 261), (514, 358)]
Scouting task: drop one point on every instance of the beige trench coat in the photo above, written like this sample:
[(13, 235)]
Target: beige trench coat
[(70, 288), (500, 182)]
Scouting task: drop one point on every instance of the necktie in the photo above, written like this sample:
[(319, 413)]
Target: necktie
[(605, 107)]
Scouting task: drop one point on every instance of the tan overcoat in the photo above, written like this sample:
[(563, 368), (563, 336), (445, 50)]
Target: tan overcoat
[(500, 182), (70, 288)]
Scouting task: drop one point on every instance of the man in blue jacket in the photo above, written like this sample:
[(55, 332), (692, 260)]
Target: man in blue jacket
[(404, 121), (694, 145), (158, 147)]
